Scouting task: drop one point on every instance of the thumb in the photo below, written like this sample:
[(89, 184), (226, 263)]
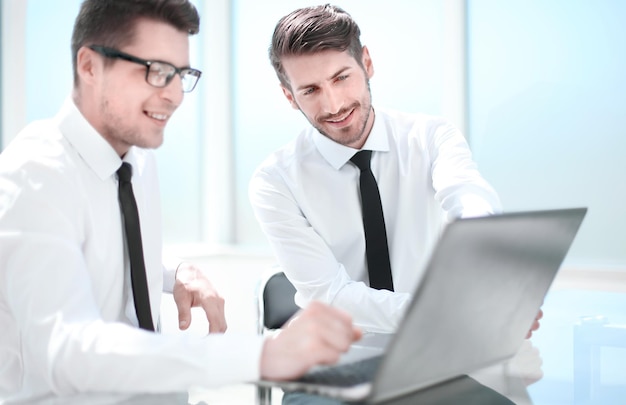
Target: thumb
[(184, 311)]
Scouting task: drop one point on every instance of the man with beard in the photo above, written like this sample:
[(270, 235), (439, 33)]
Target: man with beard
[(75, 314), (306, 194)]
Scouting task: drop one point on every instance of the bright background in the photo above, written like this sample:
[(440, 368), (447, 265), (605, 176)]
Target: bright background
[(537, 86)]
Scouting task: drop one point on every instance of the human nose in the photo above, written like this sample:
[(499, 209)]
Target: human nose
[(173, 91), (332, 101)]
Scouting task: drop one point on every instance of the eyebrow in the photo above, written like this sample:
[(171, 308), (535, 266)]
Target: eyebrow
[(337, 73)]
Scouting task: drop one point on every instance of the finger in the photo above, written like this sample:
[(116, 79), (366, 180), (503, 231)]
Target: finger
[(325, 312), (334, 347), (535, 325), (321, 350), (339, 336), (326, 355), (357, 333), (183, 304), (214, 310), (333, 326), (533, 328), (309, 338)]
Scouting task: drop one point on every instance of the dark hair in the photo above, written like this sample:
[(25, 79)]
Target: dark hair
[(111, 23), (314, 29)]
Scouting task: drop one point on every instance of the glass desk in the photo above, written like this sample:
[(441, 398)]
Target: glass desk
[(583, 349), (578, 356)]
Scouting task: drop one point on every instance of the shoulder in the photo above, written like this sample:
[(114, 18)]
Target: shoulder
[(38, 149), (413, 122), (290, 155), (418, 130), (38, 172)]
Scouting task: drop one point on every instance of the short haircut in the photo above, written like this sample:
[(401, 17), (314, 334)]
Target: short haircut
[(314, 29), (112, 23)]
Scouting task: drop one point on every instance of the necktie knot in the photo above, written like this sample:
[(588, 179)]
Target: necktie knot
[(362, 159), (125, 172)]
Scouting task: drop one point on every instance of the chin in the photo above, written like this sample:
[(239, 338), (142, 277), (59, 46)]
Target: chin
[(155, 145), (152, 143)]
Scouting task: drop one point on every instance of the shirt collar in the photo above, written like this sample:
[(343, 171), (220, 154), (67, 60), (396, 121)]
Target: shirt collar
[(338, 155), (95, 151)]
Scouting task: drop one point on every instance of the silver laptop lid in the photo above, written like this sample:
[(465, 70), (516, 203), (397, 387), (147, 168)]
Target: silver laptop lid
[(479, 295)]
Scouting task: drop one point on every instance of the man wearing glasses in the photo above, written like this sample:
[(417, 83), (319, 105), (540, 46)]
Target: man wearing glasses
[(71, 297)]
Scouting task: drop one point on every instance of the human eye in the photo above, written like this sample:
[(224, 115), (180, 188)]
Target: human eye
[(160, 73), (341, 77), (308, 91)]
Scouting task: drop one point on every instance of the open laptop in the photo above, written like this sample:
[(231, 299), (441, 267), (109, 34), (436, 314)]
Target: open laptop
[(479, 295)]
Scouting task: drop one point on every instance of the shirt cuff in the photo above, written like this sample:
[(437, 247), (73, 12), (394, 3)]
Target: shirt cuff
[(241, 351), (170, 265)]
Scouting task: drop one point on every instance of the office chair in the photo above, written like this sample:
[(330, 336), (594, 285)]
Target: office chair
[(275, 305)]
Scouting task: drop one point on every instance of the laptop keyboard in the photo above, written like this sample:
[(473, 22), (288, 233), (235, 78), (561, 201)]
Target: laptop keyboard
[(344, 375)]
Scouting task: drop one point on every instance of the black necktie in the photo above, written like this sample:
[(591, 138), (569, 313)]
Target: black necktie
[(135, 248), (376, 247)]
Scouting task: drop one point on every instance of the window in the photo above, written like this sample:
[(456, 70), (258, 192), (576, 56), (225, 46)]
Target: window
[(408, 75), (544, 105)]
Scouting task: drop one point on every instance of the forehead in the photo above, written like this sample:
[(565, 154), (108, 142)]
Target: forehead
[(319, 66), (155, 40)]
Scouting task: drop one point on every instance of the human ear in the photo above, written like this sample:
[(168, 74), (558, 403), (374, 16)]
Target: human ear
[(87, 66), (366, 60), (289, 95)]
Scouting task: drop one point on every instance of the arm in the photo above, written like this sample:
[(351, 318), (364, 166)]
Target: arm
[(62, 305), (459, 187), (310, 263), (68, 344), (193, 289), (316, 335), (67, 347)]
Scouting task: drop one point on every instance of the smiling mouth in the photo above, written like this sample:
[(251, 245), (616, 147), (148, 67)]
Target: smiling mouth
[(341, 118), (158, 117)]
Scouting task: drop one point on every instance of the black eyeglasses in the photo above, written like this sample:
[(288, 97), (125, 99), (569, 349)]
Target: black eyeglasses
[(158, 73)]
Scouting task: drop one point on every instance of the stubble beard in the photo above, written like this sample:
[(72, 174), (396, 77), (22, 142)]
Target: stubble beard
[(364, 106), (118, 133)]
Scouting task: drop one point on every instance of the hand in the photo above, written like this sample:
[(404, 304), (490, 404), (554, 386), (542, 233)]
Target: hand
[(526, 364), (535, 324), (316, 335), (193, 289)]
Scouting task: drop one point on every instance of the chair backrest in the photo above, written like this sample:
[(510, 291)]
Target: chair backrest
[(277, 303)]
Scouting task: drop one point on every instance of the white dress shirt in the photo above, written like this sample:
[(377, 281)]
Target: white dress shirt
[(66, 309), (306, 199)]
